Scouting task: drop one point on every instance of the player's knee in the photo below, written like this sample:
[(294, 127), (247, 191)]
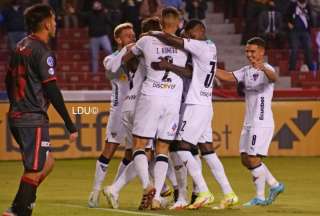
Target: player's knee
[(162, 147), (128, 155), (139, 143), (184, 146), (109, 149), (253, 161), (244, 160), (206, 148)]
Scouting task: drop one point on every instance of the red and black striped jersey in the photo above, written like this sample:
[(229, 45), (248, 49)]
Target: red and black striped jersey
[(32, 64)]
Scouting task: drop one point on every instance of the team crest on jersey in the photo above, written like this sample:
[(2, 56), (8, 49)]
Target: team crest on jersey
[(255, 76), (174, 127), (50, 61)]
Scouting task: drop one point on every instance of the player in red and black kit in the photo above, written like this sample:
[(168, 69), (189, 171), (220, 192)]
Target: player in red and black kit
[(31, 87)]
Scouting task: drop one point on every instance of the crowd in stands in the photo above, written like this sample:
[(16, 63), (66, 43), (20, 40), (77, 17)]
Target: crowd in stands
[(282, 23)]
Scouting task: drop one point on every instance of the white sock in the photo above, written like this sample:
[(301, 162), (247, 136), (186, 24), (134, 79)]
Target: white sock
[(100, 174), (259, 179), (217, 171), (194, 170), (195, 188), (128, 174), (181, 176), (151, 169), (271, 181), (171, 175), (121, 168), (160, 172), (141, 165)]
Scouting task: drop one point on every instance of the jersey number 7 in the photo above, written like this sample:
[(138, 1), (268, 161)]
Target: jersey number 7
[(209, 78)]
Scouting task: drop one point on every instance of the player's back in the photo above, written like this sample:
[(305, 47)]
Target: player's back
[(160, 82), (32, 65), (204, 59)]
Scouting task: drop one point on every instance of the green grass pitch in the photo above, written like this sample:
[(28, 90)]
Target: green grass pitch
[(66, 190)]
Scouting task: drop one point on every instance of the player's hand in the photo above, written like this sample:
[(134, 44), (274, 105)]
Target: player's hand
[(290, 26), (73, 137), (258, 64), (162, 65), (129, 46)]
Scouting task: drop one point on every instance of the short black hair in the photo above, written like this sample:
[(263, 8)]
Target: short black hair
[(150, 24), (193, 23), (257, 41), (35, 14)]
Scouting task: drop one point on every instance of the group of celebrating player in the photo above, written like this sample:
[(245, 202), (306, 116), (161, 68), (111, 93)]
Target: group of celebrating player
[(161, 108)]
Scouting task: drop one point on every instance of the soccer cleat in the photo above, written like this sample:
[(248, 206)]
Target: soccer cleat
[(112, 198), (179, 205), (274, 192), (147, 197), (193, 197), (9, 212), (203, 199), (175, 195), (167, 192), (229, 200), (93, 201), (255, 202)]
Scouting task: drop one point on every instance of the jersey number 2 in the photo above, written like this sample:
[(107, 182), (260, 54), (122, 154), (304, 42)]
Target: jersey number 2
[(165, 76)]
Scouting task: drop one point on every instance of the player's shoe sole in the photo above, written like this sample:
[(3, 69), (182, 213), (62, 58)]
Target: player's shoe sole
[(93, 201), (111, 198), (147, 197)]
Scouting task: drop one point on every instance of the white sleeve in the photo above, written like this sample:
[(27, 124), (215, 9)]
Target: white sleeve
[(138, 48), (318, 39), (112, 64), (239, 74), (193, 46)]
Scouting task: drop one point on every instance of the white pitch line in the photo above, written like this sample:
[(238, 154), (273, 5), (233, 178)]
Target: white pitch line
[(109, 210)]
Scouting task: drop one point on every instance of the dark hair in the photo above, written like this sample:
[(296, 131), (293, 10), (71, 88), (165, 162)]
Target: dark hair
[(170, 11), (193, 23), (35, 14), (257, 41), (150, 24)]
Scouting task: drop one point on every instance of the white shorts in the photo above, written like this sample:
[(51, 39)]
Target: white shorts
[(115, 130), (127, 121), (256, 140), (196, 124), (156, 116)]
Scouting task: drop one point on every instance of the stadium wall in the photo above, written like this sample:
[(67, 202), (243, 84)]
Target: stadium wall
[(296, 130)]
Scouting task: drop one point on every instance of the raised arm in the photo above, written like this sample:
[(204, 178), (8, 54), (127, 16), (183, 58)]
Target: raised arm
[(169, 39), (225, 76)]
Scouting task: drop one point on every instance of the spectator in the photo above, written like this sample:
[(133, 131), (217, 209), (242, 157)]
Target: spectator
[(150, 8), (196, 9), (69, 13), (230, 8), (253, 10), (172, 3), (131, 13), (318, 44), (14, 23), (270, 27), (299, 24), (315, 5), (99, 25)]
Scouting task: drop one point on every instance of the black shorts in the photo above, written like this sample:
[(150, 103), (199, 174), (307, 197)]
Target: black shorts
[(34, 144)]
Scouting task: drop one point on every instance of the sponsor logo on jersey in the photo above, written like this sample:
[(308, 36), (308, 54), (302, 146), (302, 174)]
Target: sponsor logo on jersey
[(114, 134), (255, 76), (205, 94), (261, 116), (50, 61), (45, 144), (131, 97), (163, 85)]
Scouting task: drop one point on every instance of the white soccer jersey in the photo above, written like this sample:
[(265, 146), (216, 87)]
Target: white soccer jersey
[(119, 79), (204, 60), (135, 87), (160, 83), (258, 96)]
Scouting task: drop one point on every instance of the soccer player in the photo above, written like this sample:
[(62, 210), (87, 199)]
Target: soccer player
[(31, 86), (196, 129), (257, 131), (124, 35), (128, 111), (157, 109)]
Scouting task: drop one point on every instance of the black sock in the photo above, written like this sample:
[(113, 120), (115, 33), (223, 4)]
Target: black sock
[(103, 159), (25, 197)]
